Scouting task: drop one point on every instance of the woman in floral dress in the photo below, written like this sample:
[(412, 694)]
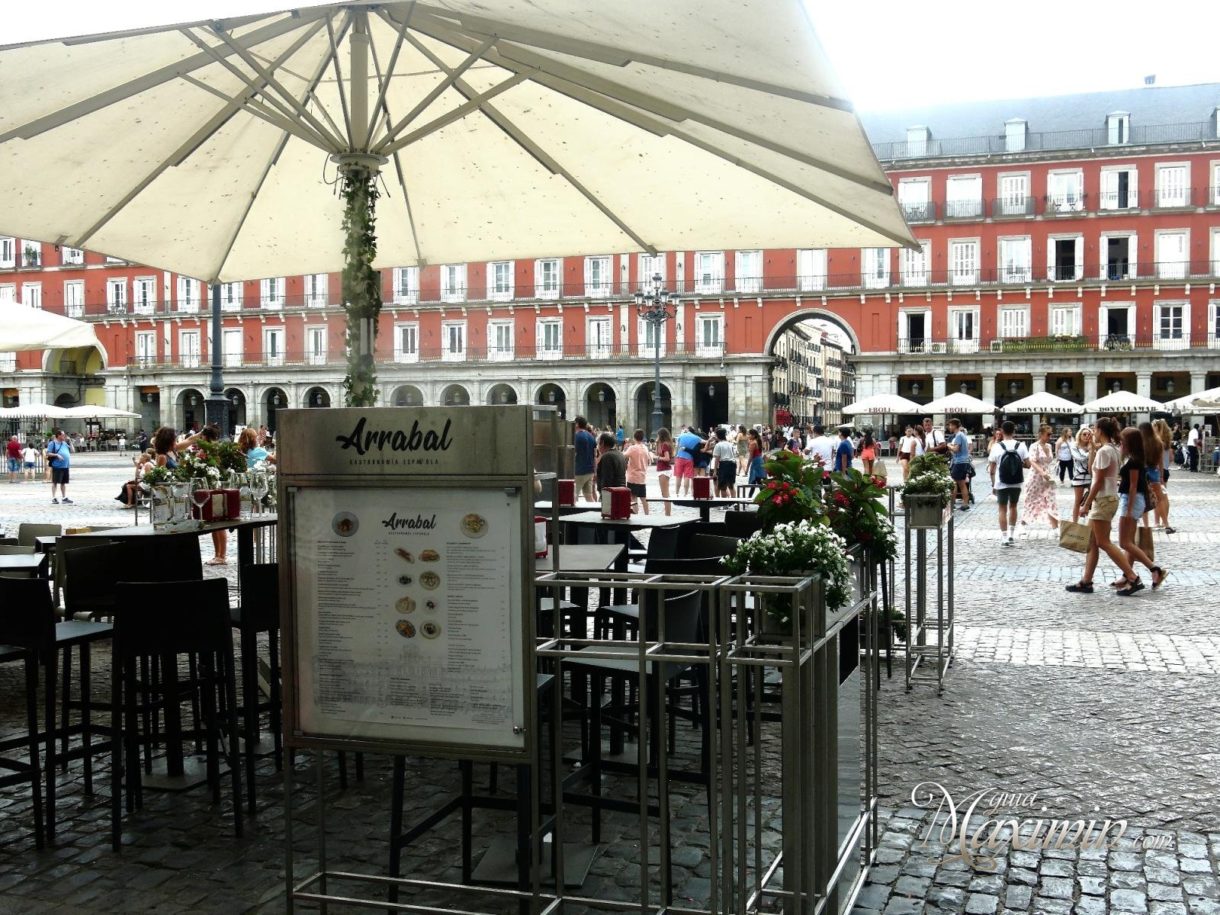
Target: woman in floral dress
[(1040, 486)]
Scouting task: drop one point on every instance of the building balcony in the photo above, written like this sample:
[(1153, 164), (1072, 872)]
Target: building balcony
[(916, 213), (1013, 207), (1105, 343)]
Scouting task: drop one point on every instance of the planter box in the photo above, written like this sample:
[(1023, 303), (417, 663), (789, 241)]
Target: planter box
[(925, 512)]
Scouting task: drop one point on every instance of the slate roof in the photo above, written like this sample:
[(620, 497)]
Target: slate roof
[(1150, 105)]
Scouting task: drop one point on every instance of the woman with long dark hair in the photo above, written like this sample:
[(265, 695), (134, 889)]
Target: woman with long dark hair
[(1101, 504)]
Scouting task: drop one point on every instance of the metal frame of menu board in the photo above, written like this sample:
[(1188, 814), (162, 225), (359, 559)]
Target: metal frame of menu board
[(360, 456)]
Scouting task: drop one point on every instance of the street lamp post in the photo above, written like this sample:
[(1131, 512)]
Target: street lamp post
[(656, 306)]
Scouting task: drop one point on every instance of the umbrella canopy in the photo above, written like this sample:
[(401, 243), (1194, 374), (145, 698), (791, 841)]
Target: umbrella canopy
[(1207, 406), (957, 402), (1199, 401), (34, 411), (882, 403), (501, 128), (1043, 402), (25, 328), (88, 411), (1122, 402)]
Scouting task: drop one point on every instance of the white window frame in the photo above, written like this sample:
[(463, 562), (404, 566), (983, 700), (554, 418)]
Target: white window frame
[(144, 295), (406, 285), (964, 261), (116, 295), (914, 266), (30, 247), (1015, 269), (1215, 252), (709, 272), (904, 340), (271, 293), (875, 268), (1060, 198), (1103, 246), (915, 199), (960, 344), (501, 340), (599, 345), (1171, 194), (1016, 133), (453, 282), (273, 355), (71, 257), (547, 277), (1118, 128), (145, 345), (644, 338), (1172, 269), (231, 355), (1213, 324), (500, 281), (190, 351), (31, 294), (548, 333), (230, 296), (1065, 320), (1052, 267), (959, 206), (1012, 322), (1009, 203), (317, 290), (406, 341), (188, 294), (316, 344), (453, 341), (648, 266), (703, 323), (1215, 185), (8, 251), (599, 276), (74, 298), (811, 269), (1171, 342), (8, 292), (1107, 199), (1103, 334), (748, 271)]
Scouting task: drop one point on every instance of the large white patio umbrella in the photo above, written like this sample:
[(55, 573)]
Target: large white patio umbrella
[(237, 149), (882, 404), (1122, 402), (1043, 402), (34, 411), (24, 328), (89, 411), (1194, 402), (957, 402)]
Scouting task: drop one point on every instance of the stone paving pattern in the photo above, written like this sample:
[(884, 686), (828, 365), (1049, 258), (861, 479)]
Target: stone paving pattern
[(1104, 707)]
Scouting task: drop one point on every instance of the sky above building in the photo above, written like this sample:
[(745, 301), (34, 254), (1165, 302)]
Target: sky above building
[(890, 53)]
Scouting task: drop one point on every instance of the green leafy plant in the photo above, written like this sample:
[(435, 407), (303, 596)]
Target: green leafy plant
[(361, 284), (227, 456), (792, 491), (929, 476), (855, 512), (195, 465), (158, 476)]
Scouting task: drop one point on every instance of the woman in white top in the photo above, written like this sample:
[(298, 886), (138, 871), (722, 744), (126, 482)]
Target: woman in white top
[(1063, 450), (908, 448), (1101, 503)]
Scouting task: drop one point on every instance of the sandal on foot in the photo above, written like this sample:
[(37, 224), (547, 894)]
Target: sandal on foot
[(1170, 530), (1158, 577), (1081, 587), (1131, 588), (217, 561)]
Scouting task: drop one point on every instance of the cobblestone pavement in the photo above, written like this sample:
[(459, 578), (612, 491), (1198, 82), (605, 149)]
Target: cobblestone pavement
[(1084, 706)]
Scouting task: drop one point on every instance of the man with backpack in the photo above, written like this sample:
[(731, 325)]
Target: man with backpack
[(1006, 463)]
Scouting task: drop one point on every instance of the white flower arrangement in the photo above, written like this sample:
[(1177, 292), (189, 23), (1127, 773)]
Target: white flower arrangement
[(798, 548)]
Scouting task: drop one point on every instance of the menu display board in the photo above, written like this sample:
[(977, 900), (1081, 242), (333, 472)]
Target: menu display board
[(409, 613)]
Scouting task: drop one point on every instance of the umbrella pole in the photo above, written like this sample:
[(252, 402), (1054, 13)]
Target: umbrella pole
[(216, 407)]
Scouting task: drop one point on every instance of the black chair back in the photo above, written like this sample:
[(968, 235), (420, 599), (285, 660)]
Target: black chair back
[(663, 542), (91, 571), (260, 596), (702, 545), (687, 531), (199, 621), (742, 523), (682, 615), (28, 619), (172, 559)]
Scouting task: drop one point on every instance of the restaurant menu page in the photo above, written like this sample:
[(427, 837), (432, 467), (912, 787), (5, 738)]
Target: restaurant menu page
[(408, 614)]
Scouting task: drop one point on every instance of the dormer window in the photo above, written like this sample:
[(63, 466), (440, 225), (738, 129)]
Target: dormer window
[(917, 141), (1014, 135), (1118, 128)]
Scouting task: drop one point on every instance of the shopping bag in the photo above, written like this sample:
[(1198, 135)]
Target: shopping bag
[(1074, 536), (879, 469), (1145, 543)]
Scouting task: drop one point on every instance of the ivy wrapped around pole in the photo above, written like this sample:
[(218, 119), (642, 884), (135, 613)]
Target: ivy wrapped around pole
[(361, 288)]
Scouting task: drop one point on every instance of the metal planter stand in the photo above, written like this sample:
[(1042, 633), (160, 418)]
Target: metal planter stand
[(928, 659)]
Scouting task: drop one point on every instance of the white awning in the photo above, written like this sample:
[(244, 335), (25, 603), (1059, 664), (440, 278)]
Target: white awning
[(25, 328)]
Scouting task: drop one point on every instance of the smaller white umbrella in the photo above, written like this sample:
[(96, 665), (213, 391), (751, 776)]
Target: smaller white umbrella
[(1122, 402), (88, 411), (1207, 406), (882, 403), (23, 328), (1043, 402), (957, 402), (34, 411), (1191, 402)]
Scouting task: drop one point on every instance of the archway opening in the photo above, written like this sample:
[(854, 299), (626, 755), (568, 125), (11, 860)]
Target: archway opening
[(601, 407), (317, 397), (273, 401), (553, 395), (407, 395), (455, 396), (237, 409), (644, 409), (191, 414), (501, 394), (812, 370)]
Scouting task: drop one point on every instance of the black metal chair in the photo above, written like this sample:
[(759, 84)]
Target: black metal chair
[(259, 611), (199, 625), (742, 523), (28, 622), (15, 771), (710, 545)]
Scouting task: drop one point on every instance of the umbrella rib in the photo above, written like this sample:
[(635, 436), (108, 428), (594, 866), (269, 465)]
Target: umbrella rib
[(384, 88), (133, 87), (260, 110), (398, 169), (450, 78), (541, 156), (334, 59), (474, 102)]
